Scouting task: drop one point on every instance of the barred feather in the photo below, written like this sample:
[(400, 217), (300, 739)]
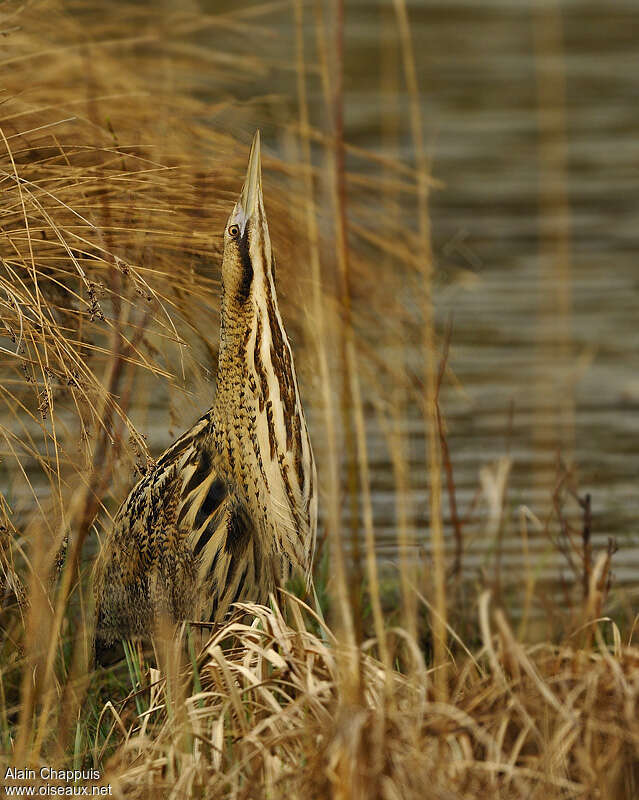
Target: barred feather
[(230, 509)]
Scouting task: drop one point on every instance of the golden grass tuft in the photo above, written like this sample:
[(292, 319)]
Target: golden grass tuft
[(271, 720)]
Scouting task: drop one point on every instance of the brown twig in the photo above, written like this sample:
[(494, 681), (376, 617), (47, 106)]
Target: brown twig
[(586, 544)]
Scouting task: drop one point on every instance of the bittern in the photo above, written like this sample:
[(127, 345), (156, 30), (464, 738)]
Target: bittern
[(230, 509)]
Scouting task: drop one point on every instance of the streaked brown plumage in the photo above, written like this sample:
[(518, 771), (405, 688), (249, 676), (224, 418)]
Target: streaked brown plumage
[(230, 510)]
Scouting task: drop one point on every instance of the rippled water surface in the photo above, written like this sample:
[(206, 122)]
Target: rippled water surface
[(533, 332)]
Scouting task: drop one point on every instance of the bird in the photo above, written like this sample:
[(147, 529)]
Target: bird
[(229, 511)]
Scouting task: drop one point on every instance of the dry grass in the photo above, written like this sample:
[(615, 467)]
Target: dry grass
[(271, 720), (115, 184)]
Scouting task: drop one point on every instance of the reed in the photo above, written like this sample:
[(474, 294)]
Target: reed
[(116, 181)]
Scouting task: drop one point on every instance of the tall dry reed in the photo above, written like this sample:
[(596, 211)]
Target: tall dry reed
[(116, 180)]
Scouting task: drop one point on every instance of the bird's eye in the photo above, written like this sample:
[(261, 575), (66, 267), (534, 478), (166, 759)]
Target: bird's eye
[(234, 230)]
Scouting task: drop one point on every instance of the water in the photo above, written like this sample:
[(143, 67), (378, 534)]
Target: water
[(484, 121), (477, 66), (478, 69)]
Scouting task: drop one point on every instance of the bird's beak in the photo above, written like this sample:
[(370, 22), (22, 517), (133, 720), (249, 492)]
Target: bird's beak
[(249, 199)]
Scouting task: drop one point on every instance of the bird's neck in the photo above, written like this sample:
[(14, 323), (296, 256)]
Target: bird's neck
[(260, 427), (235, 334), (256, 383), (255, 363)]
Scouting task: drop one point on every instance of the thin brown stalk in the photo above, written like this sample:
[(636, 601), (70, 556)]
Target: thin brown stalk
[(430, 367), (456, 567), (397, 337), (347, 350), (332, 496)]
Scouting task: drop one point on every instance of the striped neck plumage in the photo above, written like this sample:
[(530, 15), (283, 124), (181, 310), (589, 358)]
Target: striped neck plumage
[(259, 421), (249, 302), (255, 372)]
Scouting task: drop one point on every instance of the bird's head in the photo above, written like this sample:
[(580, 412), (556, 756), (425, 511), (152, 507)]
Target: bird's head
[(247, 266)]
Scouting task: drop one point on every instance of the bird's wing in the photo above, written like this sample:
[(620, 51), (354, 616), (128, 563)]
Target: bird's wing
[(217, 526), (166, 516), (181, 539), (203, 490)]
